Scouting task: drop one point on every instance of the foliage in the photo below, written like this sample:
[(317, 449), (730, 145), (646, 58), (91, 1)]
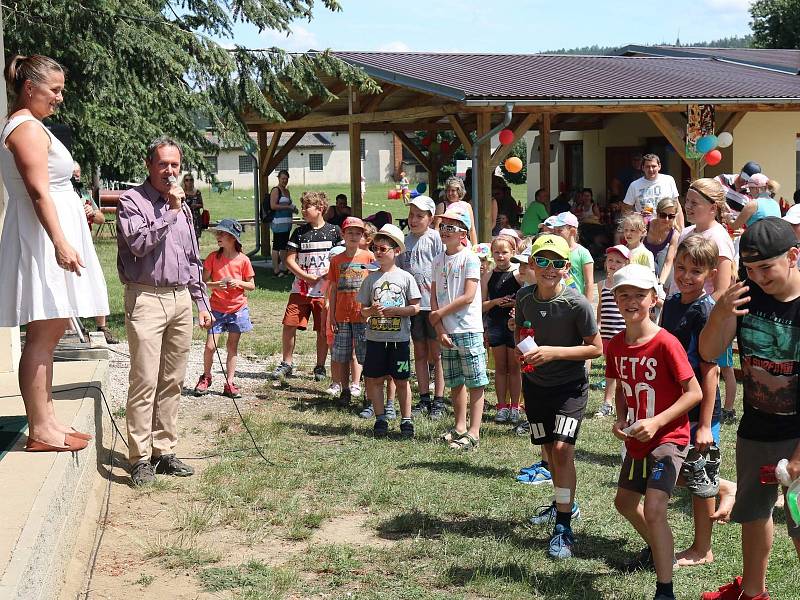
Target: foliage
[(447, 169), (137, 69), (520, 149), (726, 42), (776, 23)]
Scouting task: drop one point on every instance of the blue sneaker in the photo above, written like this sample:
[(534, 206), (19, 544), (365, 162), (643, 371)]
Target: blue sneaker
[(542, 476), (533, 468), (547, 514), (561, 543)]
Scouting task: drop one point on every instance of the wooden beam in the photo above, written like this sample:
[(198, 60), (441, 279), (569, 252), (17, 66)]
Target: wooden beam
[(354, 133), (264, 154), (269, 151), (412, 147), (323, 122), (732, 121), (285, 149), (373, 103), (673, 136), (484, 191), (461, 133), (521, 129), (544, 154), (316, 101)]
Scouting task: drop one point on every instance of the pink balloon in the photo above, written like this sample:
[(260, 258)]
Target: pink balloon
[(506, 137), (713, 157)]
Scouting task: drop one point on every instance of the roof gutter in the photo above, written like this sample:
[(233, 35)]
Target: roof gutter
[(632, 101), (509, 106)]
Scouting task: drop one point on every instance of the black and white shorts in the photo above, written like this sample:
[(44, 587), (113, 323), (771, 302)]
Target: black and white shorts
[(555, 413)]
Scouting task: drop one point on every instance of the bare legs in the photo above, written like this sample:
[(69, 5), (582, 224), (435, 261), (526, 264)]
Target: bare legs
[(459, 397), (36, 380)]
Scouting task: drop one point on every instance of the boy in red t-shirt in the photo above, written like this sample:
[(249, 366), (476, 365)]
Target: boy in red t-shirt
[(656, 387), (347, 272)]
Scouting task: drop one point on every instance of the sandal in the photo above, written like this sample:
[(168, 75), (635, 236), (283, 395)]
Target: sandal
[(466, 443), (451, 435)]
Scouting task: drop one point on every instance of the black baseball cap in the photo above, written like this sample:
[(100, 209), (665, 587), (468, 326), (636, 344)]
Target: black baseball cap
[(765, 239), (749, 169)]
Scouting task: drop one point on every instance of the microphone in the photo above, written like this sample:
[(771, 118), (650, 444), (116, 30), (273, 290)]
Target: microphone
[(172, 180)]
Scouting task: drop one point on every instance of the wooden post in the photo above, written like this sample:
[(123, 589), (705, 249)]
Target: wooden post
[(544, 153), (484, 224), (354, 133), (263, 183)]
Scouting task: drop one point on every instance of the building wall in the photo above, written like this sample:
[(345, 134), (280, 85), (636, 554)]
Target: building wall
[(376, 166)]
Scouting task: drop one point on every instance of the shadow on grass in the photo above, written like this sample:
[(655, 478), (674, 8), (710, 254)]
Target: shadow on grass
[(460, 468), (265, 280), (549, 585), (598, 458)]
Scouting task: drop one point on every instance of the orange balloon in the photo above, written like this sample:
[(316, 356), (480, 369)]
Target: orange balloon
[(713, 157), (513, 165)]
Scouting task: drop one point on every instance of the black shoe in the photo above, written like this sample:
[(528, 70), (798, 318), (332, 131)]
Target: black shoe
[(319, 373), (381, 428), (438, 410), (421, 409), (643, 561), (407, 429), (142, 473), (169, 464), (523, 429), (344, 398), (110, 339)]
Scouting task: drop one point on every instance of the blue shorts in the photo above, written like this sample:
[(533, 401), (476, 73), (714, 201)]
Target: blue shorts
[(714, 430), (726, 358), (500, 335), (238, 322)]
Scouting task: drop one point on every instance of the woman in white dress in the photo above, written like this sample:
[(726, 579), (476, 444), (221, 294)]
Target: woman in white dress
[(48, 267)]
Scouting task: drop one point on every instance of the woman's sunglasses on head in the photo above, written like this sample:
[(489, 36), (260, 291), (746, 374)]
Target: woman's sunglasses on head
[(543, 263)]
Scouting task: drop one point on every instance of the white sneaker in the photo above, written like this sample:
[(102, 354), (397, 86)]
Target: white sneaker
[(355, 390), (334, 391)]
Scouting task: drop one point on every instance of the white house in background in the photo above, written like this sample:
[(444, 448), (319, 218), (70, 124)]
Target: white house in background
[(317, 159)]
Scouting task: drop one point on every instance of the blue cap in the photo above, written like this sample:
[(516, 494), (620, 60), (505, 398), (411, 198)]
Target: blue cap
[(229, 226)]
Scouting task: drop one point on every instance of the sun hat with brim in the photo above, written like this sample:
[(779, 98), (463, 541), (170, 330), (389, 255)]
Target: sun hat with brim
[(793, 215), (624, 251), (230, 226), (457, 214), (765, 239), (637, 276), (522, 257), (352, 222), (550, 243), (423, 203), (394, 233)]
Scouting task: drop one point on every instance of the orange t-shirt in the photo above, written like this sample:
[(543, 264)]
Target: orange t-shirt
[(347, 275), (228, 300)]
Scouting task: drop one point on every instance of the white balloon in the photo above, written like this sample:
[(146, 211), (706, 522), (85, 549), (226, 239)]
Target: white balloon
[(724, 139)]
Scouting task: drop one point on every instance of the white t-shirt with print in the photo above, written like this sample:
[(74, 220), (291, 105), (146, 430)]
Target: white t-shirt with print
[(644, 195), (450, 274)]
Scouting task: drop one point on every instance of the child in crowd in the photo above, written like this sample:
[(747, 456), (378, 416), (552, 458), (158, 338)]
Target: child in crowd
[(369, 235), (684, 316), (557, 389), (499, 288), (456, 315), (634, 231), (609, 318), (346, 274), (307, 257), (763, 312), (404, 187), (423, 244), (228, 273), (656, 388), (389, 297), (580, 259)]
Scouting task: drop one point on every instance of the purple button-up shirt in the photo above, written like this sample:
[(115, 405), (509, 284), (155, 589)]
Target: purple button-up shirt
[(156, 246)]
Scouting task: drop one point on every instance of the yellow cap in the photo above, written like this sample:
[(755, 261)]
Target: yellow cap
[(551, 243)]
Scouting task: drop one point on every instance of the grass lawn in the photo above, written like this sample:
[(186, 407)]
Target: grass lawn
[(410, 519)]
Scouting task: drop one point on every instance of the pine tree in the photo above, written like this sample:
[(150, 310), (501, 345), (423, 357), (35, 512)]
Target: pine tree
[(137, 69), (776, 23)]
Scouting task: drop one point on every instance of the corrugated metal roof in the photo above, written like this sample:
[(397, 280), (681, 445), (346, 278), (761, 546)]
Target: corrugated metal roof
[(574, 77), (787, 60)]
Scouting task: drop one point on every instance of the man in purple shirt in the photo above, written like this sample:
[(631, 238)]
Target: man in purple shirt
[(157, 260)]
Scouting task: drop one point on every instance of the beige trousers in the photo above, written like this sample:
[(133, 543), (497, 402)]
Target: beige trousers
[(158, 322)]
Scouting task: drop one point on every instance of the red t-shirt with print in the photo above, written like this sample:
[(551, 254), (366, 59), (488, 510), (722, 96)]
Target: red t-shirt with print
[(228, 300), (650, 377)]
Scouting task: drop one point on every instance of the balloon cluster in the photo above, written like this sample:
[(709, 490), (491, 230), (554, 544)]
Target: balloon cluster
[(513, 164), (708, 145), (434, 146)]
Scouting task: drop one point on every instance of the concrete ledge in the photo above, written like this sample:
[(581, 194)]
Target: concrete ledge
[(47, 492)]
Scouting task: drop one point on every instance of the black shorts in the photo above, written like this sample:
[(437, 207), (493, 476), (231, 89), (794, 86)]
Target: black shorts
[(280, 241), (500, 335), (421, 328), (555, 413), (391, 359)]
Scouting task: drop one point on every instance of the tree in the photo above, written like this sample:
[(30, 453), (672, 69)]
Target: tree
[(137, 69), (776, 23)]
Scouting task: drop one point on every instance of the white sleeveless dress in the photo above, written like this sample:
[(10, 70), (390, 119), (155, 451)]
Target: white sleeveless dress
[(32, 285)]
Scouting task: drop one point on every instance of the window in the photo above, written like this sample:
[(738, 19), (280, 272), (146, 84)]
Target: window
[(315, 162), (362, 148), (246, 163), (212, 164), (283, 165)]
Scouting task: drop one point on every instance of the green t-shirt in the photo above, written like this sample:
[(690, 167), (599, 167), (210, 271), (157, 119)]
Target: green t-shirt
[(534, 214), (578, 257)]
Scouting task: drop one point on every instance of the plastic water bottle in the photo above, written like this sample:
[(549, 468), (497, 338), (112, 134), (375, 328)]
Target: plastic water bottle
[(526, 344), (779, 474)]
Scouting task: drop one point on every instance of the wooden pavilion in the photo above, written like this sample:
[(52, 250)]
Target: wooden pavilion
[(471, 93)]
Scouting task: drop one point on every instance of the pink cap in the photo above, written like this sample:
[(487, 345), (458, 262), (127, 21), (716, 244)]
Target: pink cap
[(619, 248), (758, 180), (566, 218), (352, 222)]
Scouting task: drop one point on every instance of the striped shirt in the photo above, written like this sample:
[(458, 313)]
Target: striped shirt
[(611, 321)]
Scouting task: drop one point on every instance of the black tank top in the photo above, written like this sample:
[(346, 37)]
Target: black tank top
[(501, 283)]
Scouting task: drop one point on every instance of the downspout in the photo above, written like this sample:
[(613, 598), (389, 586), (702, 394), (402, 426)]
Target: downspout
[(475, 147)]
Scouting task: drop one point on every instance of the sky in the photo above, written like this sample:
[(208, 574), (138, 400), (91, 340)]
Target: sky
[(496, 27)]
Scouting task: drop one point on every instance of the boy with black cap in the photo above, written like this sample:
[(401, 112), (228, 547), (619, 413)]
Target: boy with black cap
[(736, 194), (763, 312)]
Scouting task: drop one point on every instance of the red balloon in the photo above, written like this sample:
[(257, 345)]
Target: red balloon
[(513, 165), (506, 137), (426, 141), (713, 157)]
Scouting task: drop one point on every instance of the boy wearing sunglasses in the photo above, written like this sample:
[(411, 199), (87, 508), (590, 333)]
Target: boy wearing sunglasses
[(557, 389), (457, 315)]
